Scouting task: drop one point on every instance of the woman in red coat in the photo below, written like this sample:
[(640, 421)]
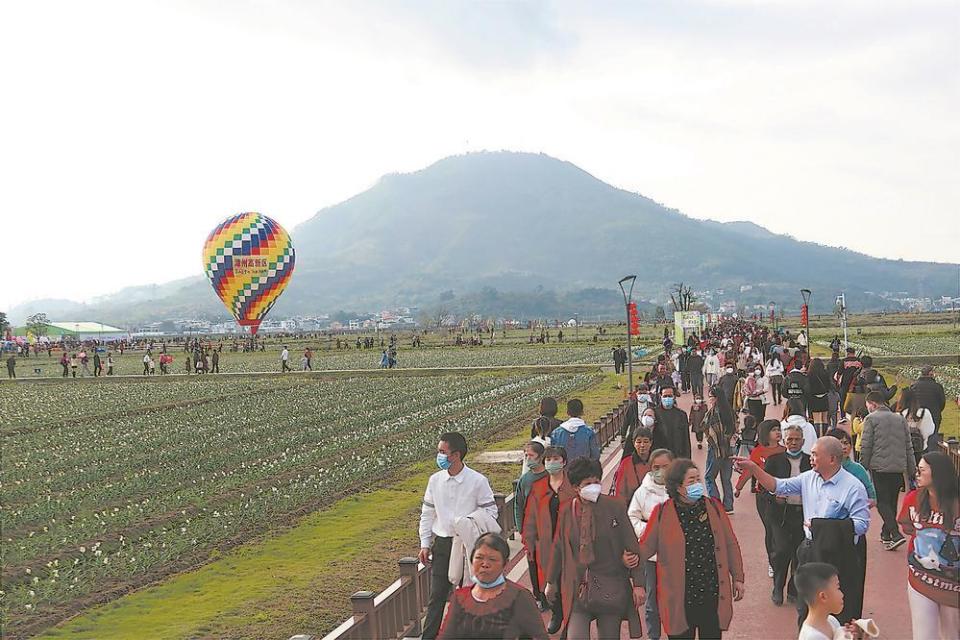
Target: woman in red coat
[(493, 607), (587, 567), (635, 466), (548, 496), (699, 566)]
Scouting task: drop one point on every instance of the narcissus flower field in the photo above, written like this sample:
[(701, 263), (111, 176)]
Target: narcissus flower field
[(107, 487)]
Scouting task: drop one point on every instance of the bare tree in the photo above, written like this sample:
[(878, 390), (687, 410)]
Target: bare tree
[(682, 297), (440, 315)]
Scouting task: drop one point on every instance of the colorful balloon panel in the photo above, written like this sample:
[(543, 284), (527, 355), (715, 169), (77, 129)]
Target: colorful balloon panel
[(249, 259)]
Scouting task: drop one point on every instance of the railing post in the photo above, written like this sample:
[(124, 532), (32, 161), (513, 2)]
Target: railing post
[(408, 569), (362, 602), (502, 518)]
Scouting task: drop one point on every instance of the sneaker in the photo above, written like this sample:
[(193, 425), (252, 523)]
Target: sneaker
[(895, 543), (769, 571), (730, 511)]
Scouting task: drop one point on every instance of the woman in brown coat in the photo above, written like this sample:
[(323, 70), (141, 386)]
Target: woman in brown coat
[(587, 565), (699, 566), (547, 497)]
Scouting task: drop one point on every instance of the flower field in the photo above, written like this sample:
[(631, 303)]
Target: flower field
[(904, 344), (108, 487), (429, 357)]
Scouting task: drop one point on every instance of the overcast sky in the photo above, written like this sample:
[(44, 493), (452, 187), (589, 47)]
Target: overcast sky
[(131, 128)]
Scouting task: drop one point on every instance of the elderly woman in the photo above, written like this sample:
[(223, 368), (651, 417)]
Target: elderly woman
[(700, 572), (493, 607), (587, 567)]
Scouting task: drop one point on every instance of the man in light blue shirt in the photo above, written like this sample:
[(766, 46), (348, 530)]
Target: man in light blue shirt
[(826, 490)]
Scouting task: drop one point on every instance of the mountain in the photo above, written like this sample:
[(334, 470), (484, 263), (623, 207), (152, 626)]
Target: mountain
[(527, 234)]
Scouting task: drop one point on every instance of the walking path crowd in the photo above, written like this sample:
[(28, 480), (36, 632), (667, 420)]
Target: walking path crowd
[(654, 542)]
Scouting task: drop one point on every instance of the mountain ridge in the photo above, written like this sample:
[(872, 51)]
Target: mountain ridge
[(517, 222)]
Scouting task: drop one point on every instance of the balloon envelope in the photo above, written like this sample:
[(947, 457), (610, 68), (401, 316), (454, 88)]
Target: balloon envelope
[(249, 259)]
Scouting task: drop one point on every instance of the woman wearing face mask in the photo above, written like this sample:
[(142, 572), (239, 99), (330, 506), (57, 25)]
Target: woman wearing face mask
[(493, 607), (700, 572), (755, 393), (721, 428), (652, 492), (774, 371), (648, 420), (635, 466), (547, 496), (697, 411), (587, 566)]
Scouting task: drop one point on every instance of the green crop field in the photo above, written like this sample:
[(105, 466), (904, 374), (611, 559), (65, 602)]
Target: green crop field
[(108, 487)]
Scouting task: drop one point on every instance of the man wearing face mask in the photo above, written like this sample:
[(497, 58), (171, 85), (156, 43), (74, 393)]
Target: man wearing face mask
[(652, 492), (671, 430), (697, 412), (587, 565), (695, 368), (785, 515), (454, 492)]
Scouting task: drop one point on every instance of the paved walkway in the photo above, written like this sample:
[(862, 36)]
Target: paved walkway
[(755, 616)]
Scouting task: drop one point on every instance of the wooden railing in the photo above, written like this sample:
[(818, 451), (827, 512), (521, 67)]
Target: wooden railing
[(396, 611), (952, 449)]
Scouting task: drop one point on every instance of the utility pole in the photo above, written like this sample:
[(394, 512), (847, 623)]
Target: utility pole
[(627, 297), (842, 303)]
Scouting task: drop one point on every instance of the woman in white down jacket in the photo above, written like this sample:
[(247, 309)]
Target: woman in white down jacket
[(652, 492)]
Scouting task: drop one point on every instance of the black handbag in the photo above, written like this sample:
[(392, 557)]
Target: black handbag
[(600, 594)]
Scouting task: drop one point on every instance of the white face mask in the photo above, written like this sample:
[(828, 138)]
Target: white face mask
[(647, 421), (591, 492), (729, 369)]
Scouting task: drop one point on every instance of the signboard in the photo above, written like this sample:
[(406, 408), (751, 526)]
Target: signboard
[(685, 323)]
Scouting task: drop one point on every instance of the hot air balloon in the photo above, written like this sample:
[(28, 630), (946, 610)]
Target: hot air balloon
[(249, 259)]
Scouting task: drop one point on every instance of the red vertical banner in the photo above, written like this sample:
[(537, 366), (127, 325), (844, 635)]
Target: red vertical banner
[(634, 319), (804, 315)]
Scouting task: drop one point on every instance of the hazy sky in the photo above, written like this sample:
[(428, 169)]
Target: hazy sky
[(130, 128)]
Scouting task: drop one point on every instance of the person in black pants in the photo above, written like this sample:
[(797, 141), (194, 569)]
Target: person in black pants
[(785, 515), (453, 492)]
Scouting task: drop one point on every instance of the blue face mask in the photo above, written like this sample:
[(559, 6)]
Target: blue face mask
[(666, 402), (794, 455), (443, 462), (489, 585), (645, 398), (695, 491)]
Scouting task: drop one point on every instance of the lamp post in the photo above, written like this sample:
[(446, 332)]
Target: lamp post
[(806, 293), (576, 318), (627, 297), (772, 307)]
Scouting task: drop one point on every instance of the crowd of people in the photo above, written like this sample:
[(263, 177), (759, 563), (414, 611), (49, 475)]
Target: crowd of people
[(659, 550)]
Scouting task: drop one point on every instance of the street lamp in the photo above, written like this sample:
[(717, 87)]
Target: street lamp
[(627, 296), (805, 313)]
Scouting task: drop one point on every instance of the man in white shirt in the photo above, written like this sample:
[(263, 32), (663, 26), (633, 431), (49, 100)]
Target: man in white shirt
[(453, 492), (284, 359)]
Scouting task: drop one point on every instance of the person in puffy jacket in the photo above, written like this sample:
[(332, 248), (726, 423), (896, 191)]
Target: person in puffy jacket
[(887, 452), (575, 436)]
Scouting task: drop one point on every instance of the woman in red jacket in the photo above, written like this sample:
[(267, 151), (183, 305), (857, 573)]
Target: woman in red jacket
[(634, 467), (699, 566)]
